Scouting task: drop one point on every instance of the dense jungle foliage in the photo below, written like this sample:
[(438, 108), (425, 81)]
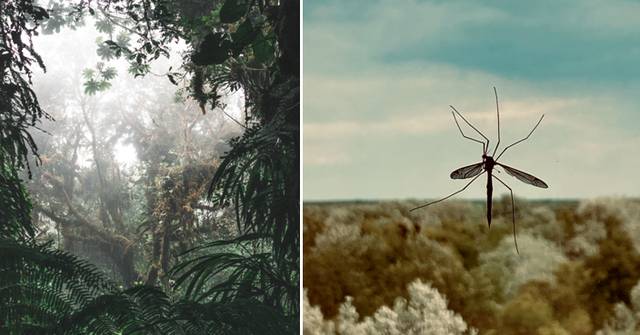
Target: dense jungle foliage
[(376, 268), (200, 235)]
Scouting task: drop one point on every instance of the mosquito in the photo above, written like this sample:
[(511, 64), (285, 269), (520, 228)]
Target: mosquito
[(487, 165)]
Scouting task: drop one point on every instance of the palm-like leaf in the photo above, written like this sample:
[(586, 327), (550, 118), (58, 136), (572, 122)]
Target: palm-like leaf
[(259, 176), (15, 207), (38, 286), (46, 291), (228, 272), (232, 318)]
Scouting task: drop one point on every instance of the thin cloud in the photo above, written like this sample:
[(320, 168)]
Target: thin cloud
[(345, 129), (321, 154), (379, 79)]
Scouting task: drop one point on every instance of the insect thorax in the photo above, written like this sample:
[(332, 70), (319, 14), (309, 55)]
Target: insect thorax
[(488, 162)]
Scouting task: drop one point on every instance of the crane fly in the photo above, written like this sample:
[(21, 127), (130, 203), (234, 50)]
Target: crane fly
[(487, 165)]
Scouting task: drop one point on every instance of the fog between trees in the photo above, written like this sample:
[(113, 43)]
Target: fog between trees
[(124, 171)]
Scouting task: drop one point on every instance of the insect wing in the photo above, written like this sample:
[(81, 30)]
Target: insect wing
[(467, 171), (524, 177)]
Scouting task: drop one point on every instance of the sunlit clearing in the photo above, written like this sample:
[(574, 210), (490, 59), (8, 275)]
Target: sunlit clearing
[(125, 154)]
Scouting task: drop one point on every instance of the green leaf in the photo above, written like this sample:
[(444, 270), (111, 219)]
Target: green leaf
[(87, 73), (39, 13), (105, 51), (123, 40), (91, 87), (232, 11), (244, 35), (263, 50), (138, 70), (104, 26), (109, 73)]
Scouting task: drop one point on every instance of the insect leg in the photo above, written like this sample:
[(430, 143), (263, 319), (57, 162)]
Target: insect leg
[(516, 142), (485, 146), (449, 196), (513, 213), (498, 113)]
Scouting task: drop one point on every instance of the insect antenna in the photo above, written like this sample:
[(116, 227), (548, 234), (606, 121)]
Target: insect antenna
[(449, 196), (513, 213), (498, 113), (524, 139), (485, 147)]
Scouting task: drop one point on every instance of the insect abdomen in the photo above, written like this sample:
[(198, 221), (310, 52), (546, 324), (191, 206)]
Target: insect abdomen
[(489, 198)]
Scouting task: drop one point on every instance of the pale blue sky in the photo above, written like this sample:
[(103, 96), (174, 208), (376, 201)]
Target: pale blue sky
[(379, 76)]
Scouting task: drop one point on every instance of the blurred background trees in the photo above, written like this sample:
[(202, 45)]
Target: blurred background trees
[(576, 273)]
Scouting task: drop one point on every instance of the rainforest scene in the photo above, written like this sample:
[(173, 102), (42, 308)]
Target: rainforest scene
[(149, 167)]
